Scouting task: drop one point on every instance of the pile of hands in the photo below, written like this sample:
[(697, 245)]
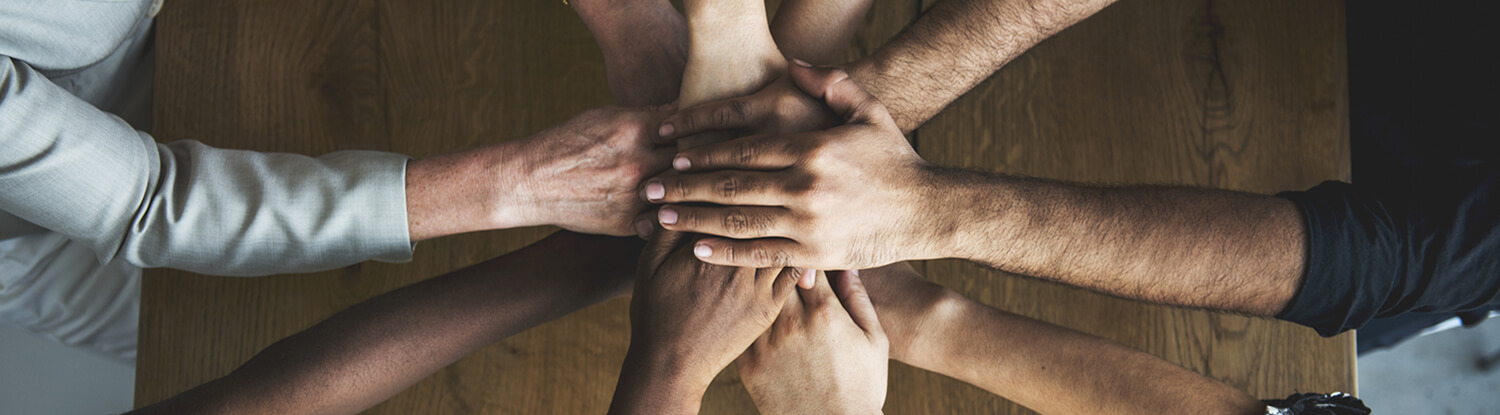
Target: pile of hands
[(821, 178), (739, 225)]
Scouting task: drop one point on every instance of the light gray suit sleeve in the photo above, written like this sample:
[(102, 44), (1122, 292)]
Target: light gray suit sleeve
[(68, 167)]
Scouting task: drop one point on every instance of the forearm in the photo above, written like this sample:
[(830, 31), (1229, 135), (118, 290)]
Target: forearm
[(371, 351), (656, 383), (1185, 246), (817, 31), (956, 45), (1055, 370), (1044, 367), (732, 52), (456, 193)]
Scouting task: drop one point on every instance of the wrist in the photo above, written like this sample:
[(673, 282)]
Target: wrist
[(457, 193), (503, 179), (866, 71), (713, 23), (925, 345), (944, 202), (970, 211), (657, 382), (723, 11)]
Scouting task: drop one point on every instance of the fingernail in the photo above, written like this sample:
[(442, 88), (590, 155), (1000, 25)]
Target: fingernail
[(702, 251), (801, 63), (655, 191), (667, 216), (643, 228), (681, 163), (666, 130)]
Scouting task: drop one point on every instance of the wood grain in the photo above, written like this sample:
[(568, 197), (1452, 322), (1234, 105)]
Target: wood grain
[(1245, 94)]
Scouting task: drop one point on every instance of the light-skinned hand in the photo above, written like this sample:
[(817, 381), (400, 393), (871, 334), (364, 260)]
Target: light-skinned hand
[(826, 353), (777, 108), (850, 197)]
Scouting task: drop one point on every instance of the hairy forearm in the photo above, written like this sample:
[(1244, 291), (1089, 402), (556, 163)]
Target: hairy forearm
[(956, 45), (1044, 367), (1177, 245), (371, 351), (817, 31)]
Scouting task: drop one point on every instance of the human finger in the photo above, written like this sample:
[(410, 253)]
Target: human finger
[(645, 224), (655, 253), (785, 284), (756, 152), (820, 295), (842, 95), (727, 187), (851, 291), (658, 160), (723, 115), (740, 222), (759, 253)]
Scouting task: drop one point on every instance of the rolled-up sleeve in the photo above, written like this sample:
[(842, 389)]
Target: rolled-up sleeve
[(86, 174), (1382, 251)]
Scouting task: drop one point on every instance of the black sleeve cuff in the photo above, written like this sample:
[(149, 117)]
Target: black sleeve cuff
[(1352, 254)]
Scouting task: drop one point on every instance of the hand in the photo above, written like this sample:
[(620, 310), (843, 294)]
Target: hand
[(775, 109), (582, 175), (851, 197), (826, 353), (688, 321)]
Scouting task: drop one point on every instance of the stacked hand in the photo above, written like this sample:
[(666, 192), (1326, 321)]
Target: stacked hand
[(689, 320), (582, 175), (827, 353), (850, 197)]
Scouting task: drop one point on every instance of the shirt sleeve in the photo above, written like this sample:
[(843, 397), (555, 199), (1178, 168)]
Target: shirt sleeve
[(86, 174), (1382, 250)]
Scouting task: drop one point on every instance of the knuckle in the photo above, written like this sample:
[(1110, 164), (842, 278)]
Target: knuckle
[(724, 115), (630, 173), (800, 186), (762, 257), (732, 185), (822, 310), (817, 154), (775, 258), (679, 187), (741, 109), (786, 104), (747, 150), (738, 222), (687, 218), (730, 254), (781, 258)]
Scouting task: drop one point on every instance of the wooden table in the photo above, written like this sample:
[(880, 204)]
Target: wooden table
[(1242, 94)]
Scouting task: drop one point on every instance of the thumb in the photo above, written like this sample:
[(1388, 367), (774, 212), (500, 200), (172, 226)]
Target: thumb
[(785, 283), (842, 95), (857, 301), (656, 252)]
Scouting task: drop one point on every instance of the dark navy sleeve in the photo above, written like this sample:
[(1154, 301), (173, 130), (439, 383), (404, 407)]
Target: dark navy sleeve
[(1373, 251)]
